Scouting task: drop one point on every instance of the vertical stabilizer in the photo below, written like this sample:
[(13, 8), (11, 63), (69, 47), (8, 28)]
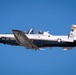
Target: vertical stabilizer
[(72, 35)]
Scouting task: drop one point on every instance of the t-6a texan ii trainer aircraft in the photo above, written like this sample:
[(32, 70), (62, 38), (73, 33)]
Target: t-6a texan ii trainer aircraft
[(39, 40)]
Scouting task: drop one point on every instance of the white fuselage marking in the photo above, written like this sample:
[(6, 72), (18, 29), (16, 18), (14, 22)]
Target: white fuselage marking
[(36, 36)]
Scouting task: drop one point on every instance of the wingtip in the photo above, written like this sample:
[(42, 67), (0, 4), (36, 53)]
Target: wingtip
[(15, 30)]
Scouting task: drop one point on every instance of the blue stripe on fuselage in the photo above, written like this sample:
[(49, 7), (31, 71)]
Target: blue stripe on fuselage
[(41, 43), (8, 41), (48, 43)]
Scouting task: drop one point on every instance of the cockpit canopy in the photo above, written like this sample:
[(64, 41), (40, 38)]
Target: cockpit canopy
[(31, 31), (40, 32)]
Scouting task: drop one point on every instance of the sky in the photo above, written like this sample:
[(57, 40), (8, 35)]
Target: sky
[(55, 16)]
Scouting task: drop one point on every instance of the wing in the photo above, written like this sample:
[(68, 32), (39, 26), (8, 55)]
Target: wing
[(23, 40)]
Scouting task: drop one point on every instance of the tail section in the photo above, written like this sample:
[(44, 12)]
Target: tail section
[(72, 35)]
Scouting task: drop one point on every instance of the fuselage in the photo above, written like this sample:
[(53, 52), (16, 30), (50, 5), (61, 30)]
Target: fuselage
[(39, 40)]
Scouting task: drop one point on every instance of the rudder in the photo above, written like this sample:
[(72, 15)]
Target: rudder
[(72, 35)]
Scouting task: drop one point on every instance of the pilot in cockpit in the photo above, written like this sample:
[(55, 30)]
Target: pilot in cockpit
[(40, 32)]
